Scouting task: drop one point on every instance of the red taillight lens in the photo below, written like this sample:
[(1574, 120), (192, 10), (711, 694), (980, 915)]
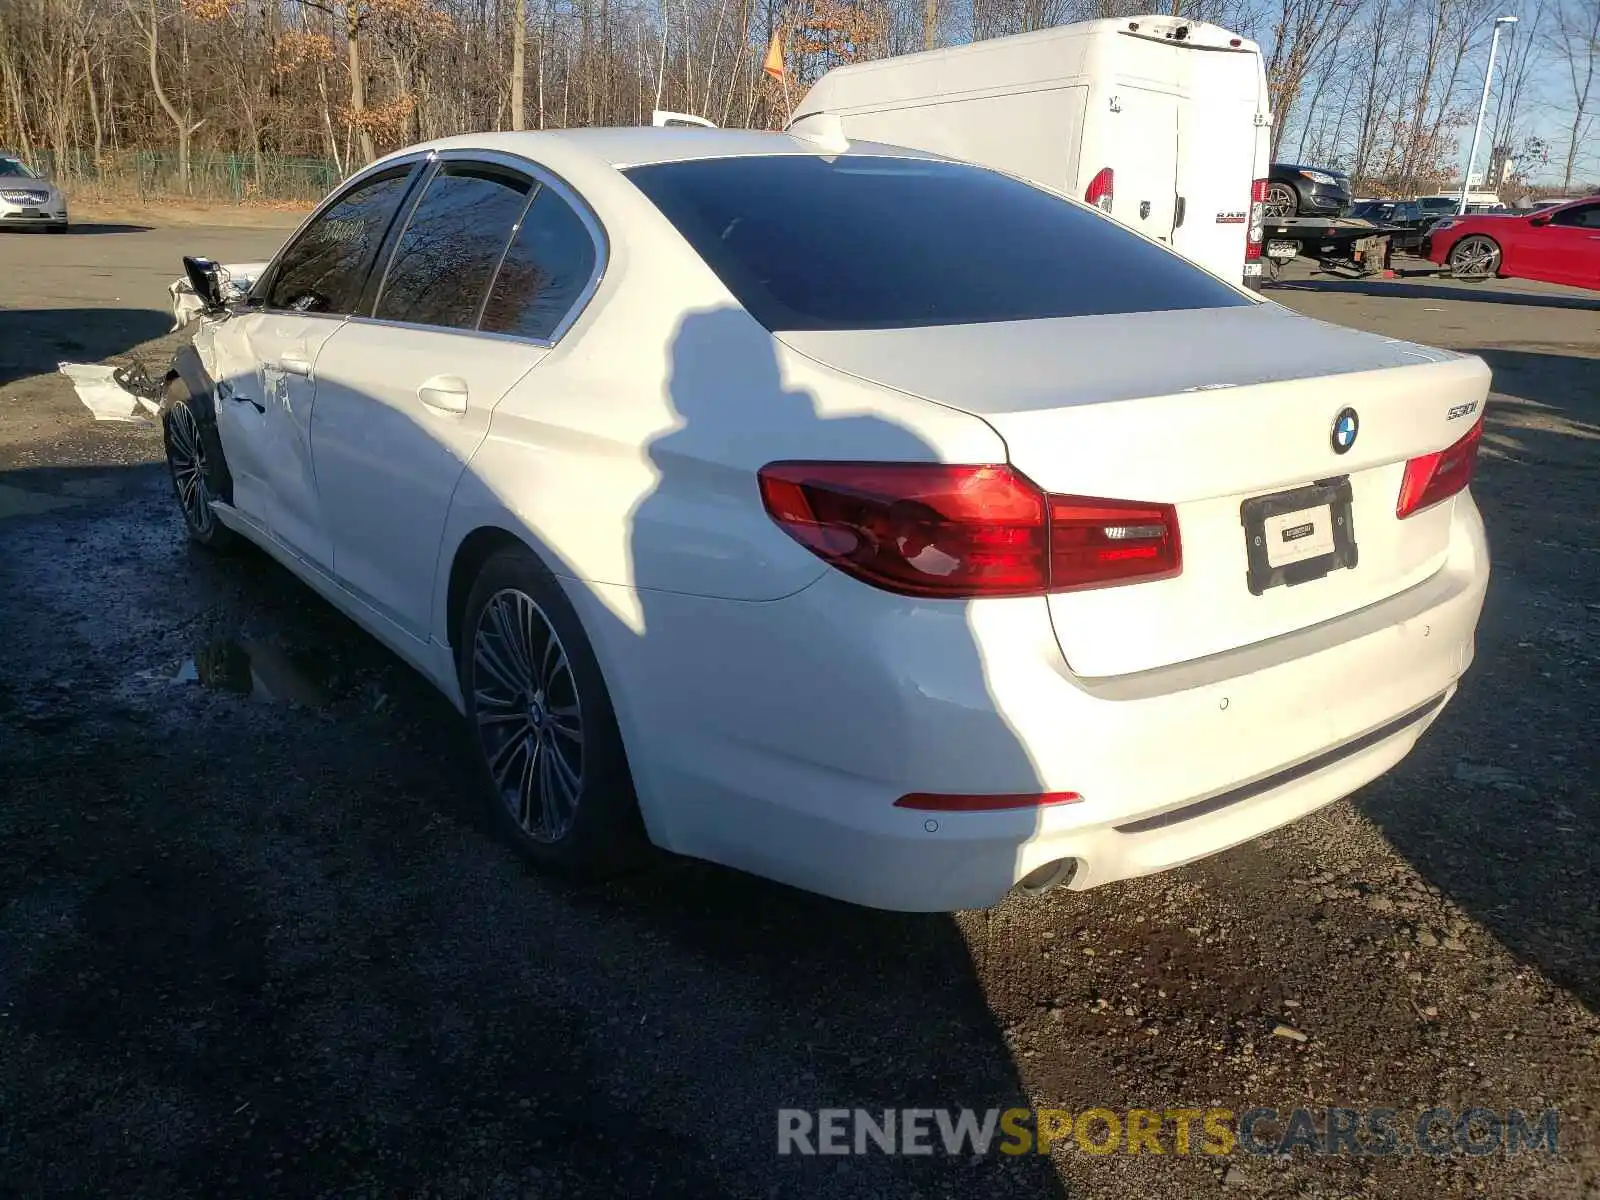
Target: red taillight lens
[(1258, 220), (1438, 476), (1097, 542), (930, 529), (1100, 189)]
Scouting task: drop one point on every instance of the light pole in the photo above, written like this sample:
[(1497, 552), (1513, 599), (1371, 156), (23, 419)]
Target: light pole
[(1483, 107)]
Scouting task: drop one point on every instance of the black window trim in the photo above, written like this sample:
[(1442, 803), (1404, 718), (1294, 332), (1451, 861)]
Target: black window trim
[(542, 178), (256, 298)]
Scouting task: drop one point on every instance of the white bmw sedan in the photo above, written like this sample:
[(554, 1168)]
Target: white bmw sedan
[(862, 519)]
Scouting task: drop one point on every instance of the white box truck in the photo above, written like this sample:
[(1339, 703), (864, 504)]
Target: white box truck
[(1159, 121)]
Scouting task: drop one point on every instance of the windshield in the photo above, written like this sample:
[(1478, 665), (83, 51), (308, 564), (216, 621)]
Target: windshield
[(875, 242), (12, 167)]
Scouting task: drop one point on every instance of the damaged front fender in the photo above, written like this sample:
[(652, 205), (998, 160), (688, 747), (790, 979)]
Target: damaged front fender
[(237, 280)]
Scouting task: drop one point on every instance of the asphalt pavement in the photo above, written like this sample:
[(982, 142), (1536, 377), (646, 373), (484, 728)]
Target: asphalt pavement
[(255, 937)]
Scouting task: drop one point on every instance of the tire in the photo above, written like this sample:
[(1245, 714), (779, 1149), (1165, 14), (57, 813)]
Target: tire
[(551, 762), (1474, 258), (1282, 201), (61, 228), (196, 464)]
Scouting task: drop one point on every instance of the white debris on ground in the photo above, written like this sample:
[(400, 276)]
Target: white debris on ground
[(237, 279), (103, 397)]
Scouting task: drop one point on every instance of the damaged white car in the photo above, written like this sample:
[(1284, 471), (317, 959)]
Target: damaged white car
[(869, 521)]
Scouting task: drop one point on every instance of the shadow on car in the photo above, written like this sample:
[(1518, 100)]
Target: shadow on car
[(1496, 806), (34, 340), (305, 927)]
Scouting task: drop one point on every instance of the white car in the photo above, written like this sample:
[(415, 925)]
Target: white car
[(27, 200), (865, 520)]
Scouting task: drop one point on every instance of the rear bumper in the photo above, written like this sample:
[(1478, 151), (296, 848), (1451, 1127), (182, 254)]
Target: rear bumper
[(784, 753)]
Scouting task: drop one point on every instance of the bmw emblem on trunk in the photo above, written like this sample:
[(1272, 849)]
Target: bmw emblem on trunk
[(1345, 427)]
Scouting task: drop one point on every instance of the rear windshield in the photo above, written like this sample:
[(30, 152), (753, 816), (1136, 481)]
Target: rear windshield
[(874, 242)]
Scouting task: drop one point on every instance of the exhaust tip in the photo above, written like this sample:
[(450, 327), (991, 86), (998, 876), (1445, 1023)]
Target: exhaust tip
[(1042, 879)]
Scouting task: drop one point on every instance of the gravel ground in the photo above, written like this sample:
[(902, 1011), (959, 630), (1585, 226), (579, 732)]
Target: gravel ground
[(252, 946)]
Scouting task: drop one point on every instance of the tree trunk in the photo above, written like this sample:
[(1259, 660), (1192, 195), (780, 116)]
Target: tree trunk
[(519, 54), (179, 120), (930, 24), (358, 95), (94, 110)]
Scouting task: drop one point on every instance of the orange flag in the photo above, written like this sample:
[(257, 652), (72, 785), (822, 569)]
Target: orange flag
[(773, 63)]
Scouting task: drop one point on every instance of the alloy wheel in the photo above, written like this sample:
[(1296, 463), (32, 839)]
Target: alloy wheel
[(1475, 258), (527, 713), (186, 455), (1281, 201)]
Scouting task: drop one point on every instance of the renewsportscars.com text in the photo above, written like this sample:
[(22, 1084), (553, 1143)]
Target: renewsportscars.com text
[(1370, 1132)]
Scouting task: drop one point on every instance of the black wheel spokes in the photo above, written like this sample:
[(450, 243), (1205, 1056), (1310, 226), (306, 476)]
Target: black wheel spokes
[(528, 716)]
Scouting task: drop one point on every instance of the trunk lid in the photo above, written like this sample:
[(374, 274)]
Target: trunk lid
[(1202, 409)]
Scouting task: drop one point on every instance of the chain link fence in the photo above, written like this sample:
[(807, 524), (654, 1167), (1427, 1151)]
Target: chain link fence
[(213, 178)]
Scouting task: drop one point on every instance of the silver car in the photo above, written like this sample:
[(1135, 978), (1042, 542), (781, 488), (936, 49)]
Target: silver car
[(25, 199)]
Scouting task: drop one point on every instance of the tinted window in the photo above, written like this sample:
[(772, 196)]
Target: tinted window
[(1586, 216), (545, 271), (10, 166), (444, 260), (867, 242), (322, 272)]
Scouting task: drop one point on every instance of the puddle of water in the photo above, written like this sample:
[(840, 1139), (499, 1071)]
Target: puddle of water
[(256, 669)]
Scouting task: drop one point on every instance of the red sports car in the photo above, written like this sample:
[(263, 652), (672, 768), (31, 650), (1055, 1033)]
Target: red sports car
[(1557, 245)]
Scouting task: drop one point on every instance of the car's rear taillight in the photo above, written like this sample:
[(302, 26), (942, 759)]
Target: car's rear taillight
[(936, 530), (1097, 542), (1258, 220), (1440, 475), (1100, 189)]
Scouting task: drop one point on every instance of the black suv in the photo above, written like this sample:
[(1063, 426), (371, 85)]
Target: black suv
[(1298, 191), (1405, 217)]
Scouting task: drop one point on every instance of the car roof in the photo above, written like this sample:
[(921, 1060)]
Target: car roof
[(632, 146)]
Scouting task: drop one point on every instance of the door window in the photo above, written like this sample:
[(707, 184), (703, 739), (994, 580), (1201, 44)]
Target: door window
[(545, 273), (456, 236), (1582, 216), (324, 269)]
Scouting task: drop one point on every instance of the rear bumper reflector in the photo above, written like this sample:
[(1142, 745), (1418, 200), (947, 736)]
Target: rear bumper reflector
[(1300, 770), (932, 802)]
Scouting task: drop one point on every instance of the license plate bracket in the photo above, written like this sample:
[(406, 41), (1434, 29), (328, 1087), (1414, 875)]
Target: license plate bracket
[(1320, 538)]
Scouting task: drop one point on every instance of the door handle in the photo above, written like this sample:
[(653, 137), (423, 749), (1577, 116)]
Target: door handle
[(293, 364), (1182, 205), (446, 393)]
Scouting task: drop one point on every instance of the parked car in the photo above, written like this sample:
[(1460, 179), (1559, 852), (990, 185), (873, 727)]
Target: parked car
[(824, 512), (1559, 245), (28, 200), (1404, 217), (1297, 191)]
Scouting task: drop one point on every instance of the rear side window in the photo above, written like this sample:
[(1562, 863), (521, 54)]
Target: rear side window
[(873, 242), (324, 269), (545, 272), (446, 257), (1584, 216)]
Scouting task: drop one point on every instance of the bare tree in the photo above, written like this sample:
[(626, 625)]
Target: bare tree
[(149, 20), (1576, 43)]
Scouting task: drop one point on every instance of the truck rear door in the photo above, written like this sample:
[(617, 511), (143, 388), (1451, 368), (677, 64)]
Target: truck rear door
[(1143, 156), (1217, 134)]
